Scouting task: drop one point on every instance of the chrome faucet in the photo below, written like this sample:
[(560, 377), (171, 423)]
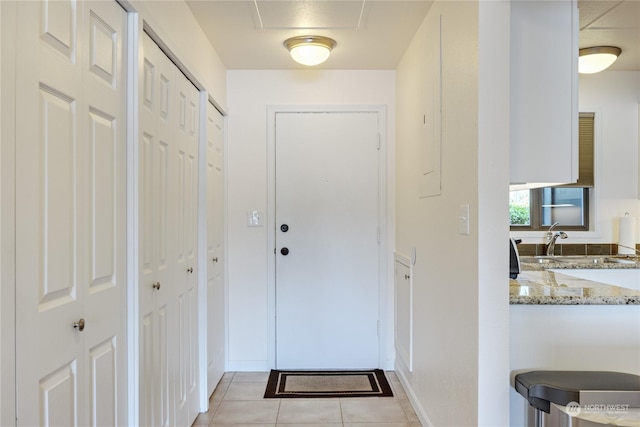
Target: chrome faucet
[(552, 237)]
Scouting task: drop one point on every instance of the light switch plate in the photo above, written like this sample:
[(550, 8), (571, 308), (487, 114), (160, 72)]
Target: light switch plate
[(463, 220), (255, 218)]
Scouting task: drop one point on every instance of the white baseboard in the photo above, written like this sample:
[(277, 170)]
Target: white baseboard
[(401, 372), (248, 366)]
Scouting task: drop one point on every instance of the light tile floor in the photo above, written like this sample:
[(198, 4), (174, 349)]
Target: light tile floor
[(238, 401)]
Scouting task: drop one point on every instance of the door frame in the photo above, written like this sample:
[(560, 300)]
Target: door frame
[(383, 299)]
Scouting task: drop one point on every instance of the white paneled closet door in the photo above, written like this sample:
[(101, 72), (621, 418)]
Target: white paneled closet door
[(157, 311), (215, 248), (186, 256), (70, 214), (168, 235)]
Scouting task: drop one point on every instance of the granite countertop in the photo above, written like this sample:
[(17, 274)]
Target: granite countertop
[(579, 262), (550, 288)]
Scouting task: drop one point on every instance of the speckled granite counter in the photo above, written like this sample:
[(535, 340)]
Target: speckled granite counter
[(550, 288), (611, 262)]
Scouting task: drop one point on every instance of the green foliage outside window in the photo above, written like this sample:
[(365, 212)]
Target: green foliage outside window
[(519, 214)]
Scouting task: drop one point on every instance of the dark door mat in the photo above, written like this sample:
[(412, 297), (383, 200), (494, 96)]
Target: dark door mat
[(351, 383)]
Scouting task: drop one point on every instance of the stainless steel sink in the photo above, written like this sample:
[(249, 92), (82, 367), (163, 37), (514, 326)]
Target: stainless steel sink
[(538, 259)]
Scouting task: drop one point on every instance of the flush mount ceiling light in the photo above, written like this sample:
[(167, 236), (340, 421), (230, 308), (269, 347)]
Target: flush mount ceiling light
[(310, 50), (597, 58)]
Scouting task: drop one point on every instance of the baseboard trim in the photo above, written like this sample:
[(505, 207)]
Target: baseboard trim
[(401, 372), (248, 366)]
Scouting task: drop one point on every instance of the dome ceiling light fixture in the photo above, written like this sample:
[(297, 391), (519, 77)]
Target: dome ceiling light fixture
[(310, 50), (598, 58)]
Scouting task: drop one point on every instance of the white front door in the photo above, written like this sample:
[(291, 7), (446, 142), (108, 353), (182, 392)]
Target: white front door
[(327, 249), (71, 214)]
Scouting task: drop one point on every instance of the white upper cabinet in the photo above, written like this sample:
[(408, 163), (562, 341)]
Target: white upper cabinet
[(544, 92)]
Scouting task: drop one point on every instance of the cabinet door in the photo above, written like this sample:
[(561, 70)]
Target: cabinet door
[(403, 298), (544, 92)]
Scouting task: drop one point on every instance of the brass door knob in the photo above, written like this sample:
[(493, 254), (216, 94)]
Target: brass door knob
[(190, 270), (156, 285), (79, 325)]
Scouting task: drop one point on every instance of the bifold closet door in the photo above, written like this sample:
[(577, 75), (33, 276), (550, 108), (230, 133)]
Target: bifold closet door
[(156, 144), (215, 248), (70, 214), (186, 254), (168, 235)]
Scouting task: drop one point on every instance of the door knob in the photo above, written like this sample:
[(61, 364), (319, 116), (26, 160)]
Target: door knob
[(215, 259), (284, 251), (79, 325), (156, 285), (284, 228), (190, 270), (406, 276)]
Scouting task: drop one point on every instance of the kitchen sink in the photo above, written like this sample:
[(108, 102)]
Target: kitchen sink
[(538, 259)]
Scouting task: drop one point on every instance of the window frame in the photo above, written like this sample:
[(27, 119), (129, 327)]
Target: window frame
[(535, 212)]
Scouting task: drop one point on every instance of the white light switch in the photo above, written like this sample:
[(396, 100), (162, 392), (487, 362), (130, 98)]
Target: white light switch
[(463, 220), (255, 218)]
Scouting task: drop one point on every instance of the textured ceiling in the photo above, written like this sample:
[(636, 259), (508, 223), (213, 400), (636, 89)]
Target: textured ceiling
[(612, 23), (371, 34)]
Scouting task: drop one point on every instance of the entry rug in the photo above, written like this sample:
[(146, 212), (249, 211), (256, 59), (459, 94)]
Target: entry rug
[(307, 384)]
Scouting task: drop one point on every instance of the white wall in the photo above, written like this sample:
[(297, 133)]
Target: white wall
[(571, 338), (460, 282), (614, 97), (249, 94)]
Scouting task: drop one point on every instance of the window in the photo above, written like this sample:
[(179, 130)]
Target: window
[(539, 208)]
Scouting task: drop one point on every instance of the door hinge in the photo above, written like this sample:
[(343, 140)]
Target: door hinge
[(379, 141)]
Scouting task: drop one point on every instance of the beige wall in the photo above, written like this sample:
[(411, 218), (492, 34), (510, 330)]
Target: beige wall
[(460, 282)]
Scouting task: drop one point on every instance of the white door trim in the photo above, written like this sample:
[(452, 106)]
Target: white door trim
[(134, 31), (8, 32), (272, 110)]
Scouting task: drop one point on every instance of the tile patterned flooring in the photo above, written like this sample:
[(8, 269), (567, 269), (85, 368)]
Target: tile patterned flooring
[(238, 401)]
